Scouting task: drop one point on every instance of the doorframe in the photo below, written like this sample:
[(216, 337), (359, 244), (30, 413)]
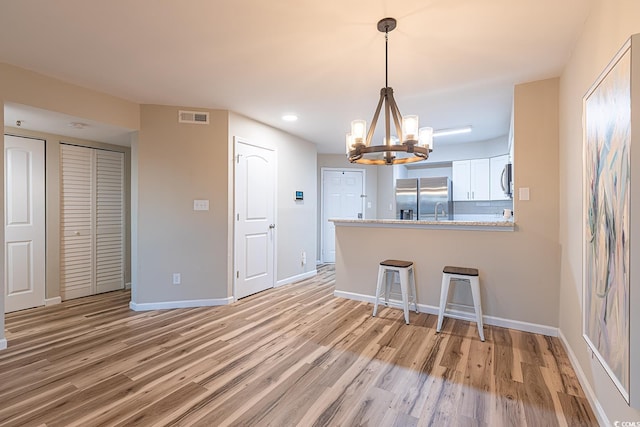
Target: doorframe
[(364, 191), (240, 140), (46, 230)]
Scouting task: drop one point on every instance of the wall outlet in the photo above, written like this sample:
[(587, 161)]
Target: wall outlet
[(304, 258), (176, 278)]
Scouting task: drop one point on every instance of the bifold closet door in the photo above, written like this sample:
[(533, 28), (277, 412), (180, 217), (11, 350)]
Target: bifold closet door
[(109, 220), (92, 221)]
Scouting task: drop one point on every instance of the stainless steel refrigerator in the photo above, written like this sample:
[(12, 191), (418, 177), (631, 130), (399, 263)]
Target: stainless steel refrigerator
[(420, 198)]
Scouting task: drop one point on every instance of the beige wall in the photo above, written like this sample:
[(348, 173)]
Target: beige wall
[(25, 87), (339, 161), (2, 254), (610, 23), (295, 221), (52, 184), (177, 163), (519, 270)]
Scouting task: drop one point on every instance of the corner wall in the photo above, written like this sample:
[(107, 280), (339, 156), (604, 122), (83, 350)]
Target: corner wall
[(609, 25), (177, 163)]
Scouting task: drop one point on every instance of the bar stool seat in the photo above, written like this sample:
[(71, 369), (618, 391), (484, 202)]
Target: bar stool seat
[(386, 272), (470, 276)]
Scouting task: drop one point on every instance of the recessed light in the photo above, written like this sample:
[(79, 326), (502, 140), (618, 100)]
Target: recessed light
[(77, 125), (289, 117), (452, 131)]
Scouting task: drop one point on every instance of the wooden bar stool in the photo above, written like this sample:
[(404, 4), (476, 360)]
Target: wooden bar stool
[(386, 271), (471, 276)]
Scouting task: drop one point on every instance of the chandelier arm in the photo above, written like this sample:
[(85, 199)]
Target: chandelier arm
[(396, 117), (374, 121), (387, 127)]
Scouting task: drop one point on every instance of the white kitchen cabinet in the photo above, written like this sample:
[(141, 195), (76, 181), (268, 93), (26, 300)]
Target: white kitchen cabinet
[(471, 179), (497, 165)]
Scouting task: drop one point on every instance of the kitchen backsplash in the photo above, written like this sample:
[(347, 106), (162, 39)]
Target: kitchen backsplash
[(493, 207)]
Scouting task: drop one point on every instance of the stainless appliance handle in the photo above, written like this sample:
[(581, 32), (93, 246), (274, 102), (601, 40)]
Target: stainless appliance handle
[(502, 179)]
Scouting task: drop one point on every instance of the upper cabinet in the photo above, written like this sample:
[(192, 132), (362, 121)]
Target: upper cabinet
[(471, 180), (497, 179)]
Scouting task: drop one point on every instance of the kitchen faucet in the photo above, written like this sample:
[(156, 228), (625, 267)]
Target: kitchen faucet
[(436, 210)]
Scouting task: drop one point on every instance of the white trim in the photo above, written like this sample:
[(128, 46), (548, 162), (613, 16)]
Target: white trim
[(488, 320), (127, 285), (52, 301), (296, 278), (586, 386), (165, 305), (322, 217), (3, 343)]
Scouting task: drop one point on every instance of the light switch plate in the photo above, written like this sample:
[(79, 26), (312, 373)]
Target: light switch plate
[(523, 193), (200, 205)]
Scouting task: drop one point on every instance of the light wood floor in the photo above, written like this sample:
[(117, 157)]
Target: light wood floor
[(295, 355)]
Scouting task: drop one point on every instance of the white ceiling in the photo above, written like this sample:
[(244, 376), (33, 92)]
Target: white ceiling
[(453, 62)]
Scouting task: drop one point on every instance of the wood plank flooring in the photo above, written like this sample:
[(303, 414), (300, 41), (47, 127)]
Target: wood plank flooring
[(295, 355)]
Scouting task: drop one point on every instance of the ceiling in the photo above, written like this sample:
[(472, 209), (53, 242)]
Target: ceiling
[(452, 62)]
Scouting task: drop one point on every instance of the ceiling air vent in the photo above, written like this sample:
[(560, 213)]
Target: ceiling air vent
[(197, 117)]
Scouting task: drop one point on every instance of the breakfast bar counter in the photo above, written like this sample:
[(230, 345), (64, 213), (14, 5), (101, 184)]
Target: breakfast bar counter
[(441, 224), (514, 289)]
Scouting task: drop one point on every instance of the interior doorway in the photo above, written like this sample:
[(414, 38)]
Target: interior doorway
[(343, 196)]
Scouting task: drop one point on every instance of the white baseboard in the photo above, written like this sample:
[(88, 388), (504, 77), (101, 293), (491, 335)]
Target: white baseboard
[(127, 285), (165, 305), (488, 320), (588, 391), (296, 278), (52, 301), (3, 343)]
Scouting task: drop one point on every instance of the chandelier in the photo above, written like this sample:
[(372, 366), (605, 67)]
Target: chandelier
[(416, 142)]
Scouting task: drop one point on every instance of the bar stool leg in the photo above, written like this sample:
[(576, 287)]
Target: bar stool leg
[(475, 292), (444, 294), (404, 282), (388, 282), (412, 282), (381, 271)]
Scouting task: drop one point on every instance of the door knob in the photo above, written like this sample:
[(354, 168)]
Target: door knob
[(272, 226)]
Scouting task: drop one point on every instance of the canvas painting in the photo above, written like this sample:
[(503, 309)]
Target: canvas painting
[(607, 138)]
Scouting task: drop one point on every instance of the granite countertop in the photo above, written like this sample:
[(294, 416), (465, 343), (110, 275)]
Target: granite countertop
[(501, 225)]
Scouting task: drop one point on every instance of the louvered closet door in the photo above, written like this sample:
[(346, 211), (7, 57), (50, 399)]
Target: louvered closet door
[(109, 221), (76, 221), (92, 221)]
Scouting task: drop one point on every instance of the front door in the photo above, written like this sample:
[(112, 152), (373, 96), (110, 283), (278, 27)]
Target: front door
[(342, 197), (255, 176), (24, 219)]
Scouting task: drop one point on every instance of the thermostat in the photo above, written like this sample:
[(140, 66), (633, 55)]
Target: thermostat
[(299, 195)]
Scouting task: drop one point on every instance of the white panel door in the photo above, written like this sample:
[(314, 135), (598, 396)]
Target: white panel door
[(92, 221), (24, 216), (255, 175), (342, 192)]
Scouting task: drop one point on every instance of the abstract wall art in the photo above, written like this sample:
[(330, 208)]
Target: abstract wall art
[(606, 255)]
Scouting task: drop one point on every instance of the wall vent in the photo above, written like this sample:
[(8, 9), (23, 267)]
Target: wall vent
[(197, 117)]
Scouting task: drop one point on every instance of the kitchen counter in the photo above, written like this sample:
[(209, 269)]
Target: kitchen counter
[(441, 224)]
